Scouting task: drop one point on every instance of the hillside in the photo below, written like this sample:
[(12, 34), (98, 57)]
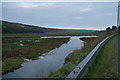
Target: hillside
[(10, 27)]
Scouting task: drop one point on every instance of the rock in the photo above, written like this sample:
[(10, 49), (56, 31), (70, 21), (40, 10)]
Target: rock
[(67, 60), (21, 45)]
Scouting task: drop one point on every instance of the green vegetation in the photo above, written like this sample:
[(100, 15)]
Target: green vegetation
[(10, 64), (51, 34), (10, 27), (14, 49), (105, 64), (74, 58), (24, 35), (30, 49)]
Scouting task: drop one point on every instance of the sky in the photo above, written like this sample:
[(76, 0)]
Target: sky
[(65, 15)]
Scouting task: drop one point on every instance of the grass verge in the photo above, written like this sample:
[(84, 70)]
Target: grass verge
[(105, 64)]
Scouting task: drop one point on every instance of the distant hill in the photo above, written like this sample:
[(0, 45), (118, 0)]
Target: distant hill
[(10, 27)]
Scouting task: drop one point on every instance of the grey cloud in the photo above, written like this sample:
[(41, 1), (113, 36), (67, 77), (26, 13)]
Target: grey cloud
[(63, 14)]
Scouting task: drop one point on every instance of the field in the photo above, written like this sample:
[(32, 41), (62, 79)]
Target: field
[(15, 49), (50, 34), (105, 65)]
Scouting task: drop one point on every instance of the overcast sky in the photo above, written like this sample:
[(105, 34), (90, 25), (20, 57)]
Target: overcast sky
[(74, 15)]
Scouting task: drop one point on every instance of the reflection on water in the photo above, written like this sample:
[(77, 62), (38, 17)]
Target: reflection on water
[(42, 67)]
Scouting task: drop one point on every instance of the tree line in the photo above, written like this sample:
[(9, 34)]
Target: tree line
[(113, 29)]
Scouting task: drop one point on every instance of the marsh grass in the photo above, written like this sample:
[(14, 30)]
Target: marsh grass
[(30, 50), (12, 52), (10, 64), (51, 34)]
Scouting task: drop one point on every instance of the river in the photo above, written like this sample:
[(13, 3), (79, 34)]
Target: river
[(48, 63)]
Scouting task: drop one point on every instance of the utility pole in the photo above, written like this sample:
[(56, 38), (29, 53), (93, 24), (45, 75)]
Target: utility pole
[(118, 16)]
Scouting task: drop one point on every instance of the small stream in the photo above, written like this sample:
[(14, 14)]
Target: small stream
[(48, 63)]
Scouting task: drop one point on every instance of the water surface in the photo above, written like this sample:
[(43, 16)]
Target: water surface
[(46, 64)]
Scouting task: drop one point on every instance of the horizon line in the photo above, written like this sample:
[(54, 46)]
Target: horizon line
[(75, 28)]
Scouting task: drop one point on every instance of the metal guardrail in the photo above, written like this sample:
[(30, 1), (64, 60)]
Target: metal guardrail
[(79, 70)]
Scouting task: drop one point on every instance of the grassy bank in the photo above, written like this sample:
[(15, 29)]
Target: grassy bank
[(105, 64), (77, 56), (10, 64), (14, 49)]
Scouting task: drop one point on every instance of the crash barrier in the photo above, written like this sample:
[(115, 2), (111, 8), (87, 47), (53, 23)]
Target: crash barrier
[(82, 68)]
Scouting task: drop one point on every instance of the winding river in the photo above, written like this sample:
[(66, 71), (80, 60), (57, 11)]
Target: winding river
[(48, 63)]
